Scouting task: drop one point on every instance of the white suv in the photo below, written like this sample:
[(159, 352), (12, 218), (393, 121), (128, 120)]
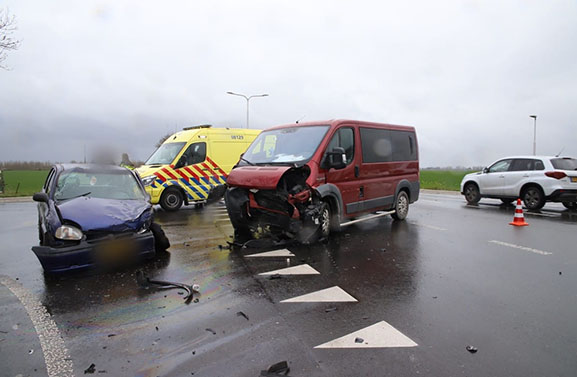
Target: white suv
[(534, 179)]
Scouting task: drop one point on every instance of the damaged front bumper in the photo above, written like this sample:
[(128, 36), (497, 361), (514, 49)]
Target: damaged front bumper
[(257, 214), (106, 252)]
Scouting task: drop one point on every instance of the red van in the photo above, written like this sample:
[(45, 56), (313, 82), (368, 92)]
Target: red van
[(302, 181)]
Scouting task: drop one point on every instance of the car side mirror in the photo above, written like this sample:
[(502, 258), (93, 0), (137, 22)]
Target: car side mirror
[(40, 197), (337, 158), (485, 170), (181, 162)]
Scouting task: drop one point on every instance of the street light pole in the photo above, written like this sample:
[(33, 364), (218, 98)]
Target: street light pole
[(534, 134), (247, 101)]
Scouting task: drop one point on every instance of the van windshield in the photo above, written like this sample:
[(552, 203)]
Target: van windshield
[(285, 145), (165, 154)]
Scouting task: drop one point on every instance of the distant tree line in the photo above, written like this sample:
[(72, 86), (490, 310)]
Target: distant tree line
[(25, 165)]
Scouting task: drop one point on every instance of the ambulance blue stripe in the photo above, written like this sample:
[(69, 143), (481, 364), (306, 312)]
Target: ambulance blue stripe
[(207, 190), (207, 181), (187, 184)]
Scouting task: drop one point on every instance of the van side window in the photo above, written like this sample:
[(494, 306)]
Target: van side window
[(194, 154), (377, 146), (344, 138)]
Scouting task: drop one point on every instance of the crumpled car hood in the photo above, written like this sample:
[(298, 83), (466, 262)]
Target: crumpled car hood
[(258, 177), (106, 214)]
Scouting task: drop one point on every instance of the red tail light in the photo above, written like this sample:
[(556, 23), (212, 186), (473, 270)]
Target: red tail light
[(556, 174)]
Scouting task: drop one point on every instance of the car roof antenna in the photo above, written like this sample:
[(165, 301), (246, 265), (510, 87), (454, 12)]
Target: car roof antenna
[(301, 118), (561, 151)]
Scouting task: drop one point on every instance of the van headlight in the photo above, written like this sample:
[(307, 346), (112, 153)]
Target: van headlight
[(147, 181), (68, 232)]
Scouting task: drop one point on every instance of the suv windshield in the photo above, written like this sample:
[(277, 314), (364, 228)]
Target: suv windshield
[(285, 145), (97, 184), (165, 154), (564, 163)]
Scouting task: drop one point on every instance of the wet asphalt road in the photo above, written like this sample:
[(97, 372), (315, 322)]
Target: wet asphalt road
[(448, 277)]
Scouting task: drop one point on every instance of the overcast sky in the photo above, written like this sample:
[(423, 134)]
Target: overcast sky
[(467, 74)]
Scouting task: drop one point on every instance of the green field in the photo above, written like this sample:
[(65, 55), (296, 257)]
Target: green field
[(23, 182), (30, 181), (442, 179)]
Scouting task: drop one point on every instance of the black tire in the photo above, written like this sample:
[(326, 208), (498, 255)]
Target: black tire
[(401, 206), (472, 194), (161, 242), (570, 205), (533, 198), (507, 201), (171, 199)]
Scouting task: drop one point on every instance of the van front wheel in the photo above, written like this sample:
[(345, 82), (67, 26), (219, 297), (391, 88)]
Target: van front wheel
[(171, 199), (401, 206)]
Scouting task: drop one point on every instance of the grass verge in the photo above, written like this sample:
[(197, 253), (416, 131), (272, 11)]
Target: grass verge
[(23, 182)]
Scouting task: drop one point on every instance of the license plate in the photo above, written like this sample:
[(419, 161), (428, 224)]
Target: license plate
[(573, 179), (116, 251)]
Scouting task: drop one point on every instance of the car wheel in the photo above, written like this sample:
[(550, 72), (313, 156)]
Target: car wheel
[(472, 194), (171, 199), (161, 242), (533, 198), (325, 220), (570, 205), (401, 206), (507, 201)]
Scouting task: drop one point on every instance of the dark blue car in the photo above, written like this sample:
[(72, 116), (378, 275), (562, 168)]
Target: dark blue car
[(94, 215)]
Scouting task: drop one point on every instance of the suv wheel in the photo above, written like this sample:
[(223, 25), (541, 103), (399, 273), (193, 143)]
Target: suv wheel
[(533, 198), (401, 206), (171, 199), (472, 194)]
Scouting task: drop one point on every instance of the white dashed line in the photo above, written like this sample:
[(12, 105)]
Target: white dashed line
[(333, 294), (56, 355), (536, 251), (379, 335), (272, 254), (303, 269), (429, 226)]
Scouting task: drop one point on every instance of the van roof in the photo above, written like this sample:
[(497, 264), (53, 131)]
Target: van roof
[(337, 122)]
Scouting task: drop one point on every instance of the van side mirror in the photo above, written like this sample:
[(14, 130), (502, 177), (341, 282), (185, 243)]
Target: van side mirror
[(336, 158), (40, 197), (181, 162)]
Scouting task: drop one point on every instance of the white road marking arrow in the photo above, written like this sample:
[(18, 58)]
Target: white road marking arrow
[(379, 335), (333, 294)]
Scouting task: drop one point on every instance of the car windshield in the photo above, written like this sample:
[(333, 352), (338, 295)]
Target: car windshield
[(285, 145), (98, 184), (564, 163), (165, 154)]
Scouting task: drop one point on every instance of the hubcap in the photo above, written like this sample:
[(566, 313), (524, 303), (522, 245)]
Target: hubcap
[(325, 222), (402, 205)]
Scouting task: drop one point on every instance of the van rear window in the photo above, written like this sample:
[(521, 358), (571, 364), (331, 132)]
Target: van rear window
[(387, 145)]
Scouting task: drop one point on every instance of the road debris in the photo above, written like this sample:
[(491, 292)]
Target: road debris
[(190, 289), (241, 314), (211, 331), (331, 309), (359, 340), (278, 369), (91, 369), (471, 349), (275, 276)]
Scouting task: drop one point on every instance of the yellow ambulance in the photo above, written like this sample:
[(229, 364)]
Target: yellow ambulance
[(191, 164)]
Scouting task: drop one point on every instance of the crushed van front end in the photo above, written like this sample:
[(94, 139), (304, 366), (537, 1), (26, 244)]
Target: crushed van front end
[(278, 205)]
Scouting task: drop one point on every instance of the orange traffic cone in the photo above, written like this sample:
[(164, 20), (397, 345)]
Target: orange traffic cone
[(519, 219)]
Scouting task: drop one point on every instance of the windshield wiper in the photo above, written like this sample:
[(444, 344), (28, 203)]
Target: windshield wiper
[(77, 196), (247, 161)]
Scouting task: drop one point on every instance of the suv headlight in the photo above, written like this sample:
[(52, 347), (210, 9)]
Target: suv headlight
[(68, 232), (147, 181)]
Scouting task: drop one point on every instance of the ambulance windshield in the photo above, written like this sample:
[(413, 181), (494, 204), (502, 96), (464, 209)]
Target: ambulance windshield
[(285, 145), (165, 154)]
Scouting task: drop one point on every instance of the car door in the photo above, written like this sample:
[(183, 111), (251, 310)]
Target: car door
[(43, 208), (521, 170), (492, 181), (345, 179)]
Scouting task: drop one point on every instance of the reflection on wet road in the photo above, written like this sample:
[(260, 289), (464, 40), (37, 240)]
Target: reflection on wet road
[(385, 298)]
